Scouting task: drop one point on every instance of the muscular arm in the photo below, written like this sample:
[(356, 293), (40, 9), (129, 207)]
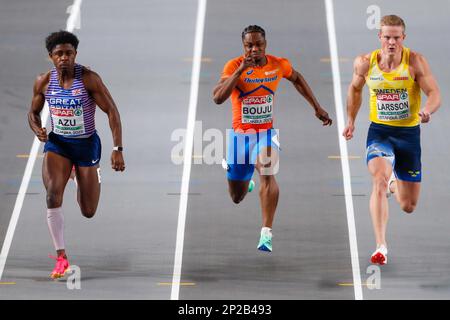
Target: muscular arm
[(354, 93), (105, 102), (103, 99), (427, 83), (225, 86), (303, 88), (37, 104)]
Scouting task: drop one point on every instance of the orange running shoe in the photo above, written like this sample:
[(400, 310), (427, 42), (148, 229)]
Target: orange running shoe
[(61, 267)]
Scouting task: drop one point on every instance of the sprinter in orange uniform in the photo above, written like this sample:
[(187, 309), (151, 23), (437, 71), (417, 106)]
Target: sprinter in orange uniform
[(251, 80)]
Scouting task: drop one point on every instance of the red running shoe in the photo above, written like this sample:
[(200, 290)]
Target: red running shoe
[(379, 256), (61, 267)]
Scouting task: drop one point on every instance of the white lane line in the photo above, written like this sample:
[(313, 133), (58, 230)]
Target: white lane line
[(195, 77), (343, 149), (74, 20), (71, 24), (20, 197)]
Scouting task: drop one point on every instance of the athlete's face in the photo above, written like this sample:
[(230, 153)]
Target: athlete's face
[(63, 56), (391, 38), (255, 46)]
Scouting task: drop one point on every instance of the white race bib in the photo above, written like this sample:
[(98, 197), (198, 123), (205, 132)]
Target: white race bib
[(67, 121), (257, 109), (393, 106)]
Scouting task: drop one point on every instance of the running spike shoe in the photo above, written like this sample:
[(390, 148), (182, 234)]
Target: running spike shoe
[(379, 256), (251, 186), (61, 267), (265, 242)]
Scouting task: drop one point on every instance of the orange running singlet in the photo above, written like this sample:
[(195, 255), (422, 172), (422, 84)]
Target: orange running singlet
[(252, 99)]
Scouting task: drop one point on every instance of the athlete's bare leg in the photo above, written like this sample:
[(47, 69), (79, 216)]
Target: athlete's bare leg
[(381, 170), (267, 165), (88, 190), (55, 173), (406, 193), (269, 192), (237, 189)]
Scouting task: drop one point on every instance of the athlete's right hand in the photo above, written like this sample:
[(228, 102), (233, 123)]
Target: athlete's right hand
[(246, 63), (41, 134), (348, 131)]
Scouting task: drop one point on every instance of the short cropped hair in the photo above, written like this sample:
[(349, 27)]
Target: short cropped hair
[(392, 20), (60, 37), (254, 28)]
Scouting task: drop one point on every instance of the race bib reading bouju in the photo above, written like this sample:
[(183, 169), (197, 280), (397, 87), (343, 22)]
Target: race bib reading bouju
[(257, 109)]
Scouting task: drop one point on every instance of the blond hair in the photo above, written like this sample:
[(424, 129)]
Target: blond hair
[(392, 20)]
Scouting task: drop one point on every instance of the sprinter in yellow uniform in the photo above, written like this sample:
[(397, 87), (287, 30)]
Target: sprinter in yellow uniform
[(395, 76)]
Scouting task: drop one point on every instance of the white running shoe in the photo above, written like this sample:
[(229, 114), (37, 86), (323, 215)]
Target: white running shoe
[(265, 241), (73, 176), (380, 255), (391, 179)]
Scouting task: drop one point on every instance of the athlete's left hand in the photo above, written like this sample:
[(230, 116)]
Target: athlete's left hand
[(322, 115), (117, 162), (425, 116)]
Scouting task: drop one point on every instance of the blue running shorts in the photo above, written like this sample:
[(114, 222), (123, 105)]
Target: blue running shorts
[(399, 145), (243, 150), (83, 152)]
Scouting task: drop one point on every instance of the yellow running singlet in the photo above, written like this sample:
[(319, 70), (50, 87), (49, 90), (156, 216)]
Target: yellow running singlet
[(394, 96)]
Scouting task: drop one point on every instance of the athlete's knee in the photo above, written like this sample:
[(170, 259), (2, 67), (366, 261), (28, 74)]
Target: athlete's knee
[(54, 199), (88, 213), (269, 169), (408, 207), (237, 197), (87, 210)]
